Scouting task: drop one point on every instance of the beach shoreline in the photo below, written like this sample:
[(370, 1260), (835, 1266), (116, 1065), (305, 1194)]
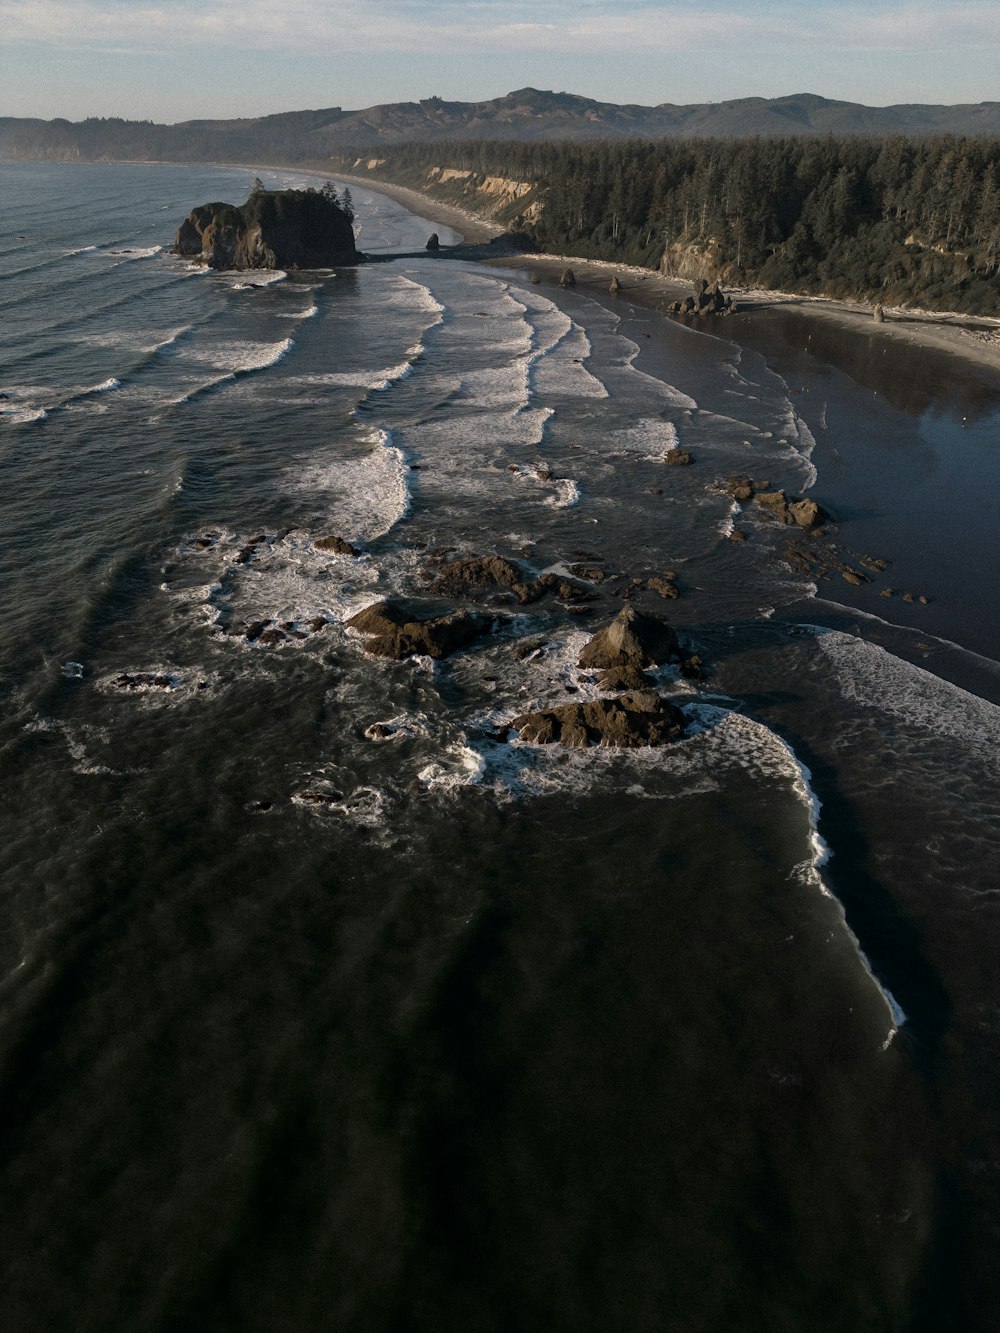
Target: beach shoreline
[(974, 338), (472, 229)]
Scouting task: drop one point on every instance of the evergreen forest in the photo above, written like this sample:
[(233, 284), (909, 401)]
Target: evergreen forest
[(898, 220)]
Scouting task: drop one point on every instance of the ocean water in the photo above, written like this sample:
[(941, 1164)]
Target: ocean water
[(313, 1024)]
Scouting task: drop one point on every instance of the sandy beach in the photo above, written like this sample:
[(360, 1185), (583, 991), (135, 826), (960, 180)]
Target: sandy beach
[(474, 230), (974, 338)]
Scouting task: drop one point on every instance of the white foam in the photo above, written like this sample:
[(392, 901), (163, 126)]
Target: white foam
[(809, 873), (875, 678), (261, 277), (130, 253), (566, 494), (648, 439), (558, 349), (285, 582), (20, 416), (424, 297), (460, 765), (366, 496), (366, 806), (664, 390), (240, 357), (563, 491), (145, 685), (310, 312)]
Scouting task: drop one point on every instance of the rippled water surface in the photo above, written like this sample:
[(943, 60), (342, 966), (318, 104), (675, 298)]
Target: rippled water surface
[(315, 1024)]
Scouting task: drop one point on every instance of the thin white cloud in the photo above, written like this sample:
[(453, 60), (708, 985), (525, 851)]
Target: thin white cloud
[(549, 26)]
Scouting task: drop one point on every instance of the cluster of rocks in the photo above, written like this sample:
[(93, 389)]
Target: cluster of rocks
[(337, 545), (617, 657), (504, 580), (800, 513), (620, 654), (143, 680), (475, 574), (826, 561), (273, 633), (641, 717), (705, 300)]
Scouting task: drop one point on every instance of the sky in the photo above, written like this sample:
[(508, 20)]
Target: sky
[(170, 60)]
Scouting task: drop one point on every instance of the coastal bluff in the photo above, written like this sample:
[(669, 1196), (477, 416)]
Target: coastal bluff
[(274, 229)]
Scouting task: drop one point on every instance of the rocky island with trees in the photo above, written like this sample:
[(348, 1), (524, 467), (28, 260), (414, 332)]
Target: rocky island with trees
[(285, 229)]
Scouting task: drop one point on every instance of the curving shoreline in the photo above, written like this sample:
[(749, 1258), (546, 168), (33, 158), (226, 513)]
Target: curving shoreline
[(974, 338)]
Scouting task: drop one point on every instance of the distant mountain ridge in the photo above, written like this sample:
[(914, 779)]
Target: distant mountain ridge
[(527, 114)]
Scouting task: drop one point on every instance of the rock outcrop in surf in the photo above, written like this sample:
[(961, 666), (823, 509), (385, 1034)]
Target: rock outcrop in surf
[(392, 631), (274, 229), (632, 640), (641, 717)]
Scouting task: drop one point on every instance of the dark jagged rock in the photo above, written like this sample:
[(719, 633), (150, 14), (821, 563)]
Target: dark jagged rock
[(335, 544), (631, 640), (739, 487), (640, 717), (322, 798), (773, 503), (250, 549), (593, 573), (143, 680), (802, 513), (478, 571), (806, 513), (459, 578), (379, 731), (273, 229), (433, 241), (678, 458), (393, 632), (616, 679), (872, 563), (664, 584)]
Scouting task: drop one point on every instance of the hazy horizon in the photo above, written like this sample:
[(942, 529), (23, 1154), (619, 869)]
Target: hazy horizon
[(136, 59)]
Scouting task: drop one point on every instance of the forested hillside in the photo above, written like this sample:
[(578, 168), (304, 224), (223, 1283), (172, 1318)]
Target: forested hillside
[(527, 114), (899, 220)]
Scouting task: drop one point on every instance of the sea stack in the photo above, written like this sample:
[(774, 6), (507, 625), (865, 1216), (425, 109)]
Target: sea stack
[(273, 229)]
